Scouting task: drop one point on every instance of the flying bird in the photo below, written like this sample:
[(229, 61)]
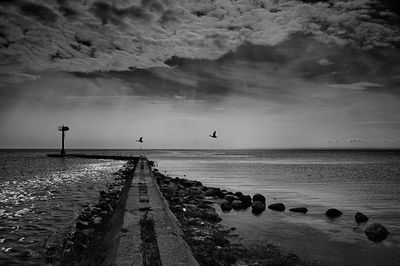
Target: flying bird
[(214, 135), (140, 140)]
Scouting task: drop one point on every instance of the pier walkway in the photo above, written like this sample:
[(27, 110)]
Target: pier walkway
[(150, 233)]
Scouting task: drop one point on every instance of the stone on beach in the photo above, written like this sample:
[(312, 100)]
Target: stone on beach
[(299, 209), (226, 205), (257, 207), (81, 225), (231, 198), (277, 207), (333, 213), (376, 232), (237, 205), (361, 218), (259, 197), (213, 192), (246, 199), (238, 194)]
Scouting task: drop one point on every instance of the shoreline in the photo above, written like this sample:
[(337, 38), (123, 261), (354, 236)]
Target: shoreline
[(211, 242), (92, 237), (194, 207)]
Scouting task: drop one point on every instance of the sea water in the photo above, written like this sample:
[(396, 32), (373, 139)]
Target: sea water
[(40, 197), (351, 181)]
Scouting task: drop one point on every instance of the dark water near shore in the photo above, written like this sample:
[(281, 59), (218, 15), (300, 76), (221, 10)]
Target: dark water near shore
[(40, 197), (366, 181)]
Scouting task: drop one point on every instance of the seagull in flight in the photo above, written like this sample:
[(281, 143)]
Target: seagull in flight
[(214, 135), (140, 140)]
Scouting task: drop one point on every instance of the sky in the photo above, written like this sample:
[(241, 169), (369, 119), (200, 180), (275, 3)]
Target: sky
[(262, 73)]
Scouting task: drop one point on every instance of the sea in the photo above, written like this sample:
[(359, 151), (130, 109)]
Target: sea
[(40, 197)]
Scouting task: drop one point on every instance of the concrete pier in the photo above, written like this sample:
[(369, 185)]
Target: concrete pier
[(150, 233), (92, 156)]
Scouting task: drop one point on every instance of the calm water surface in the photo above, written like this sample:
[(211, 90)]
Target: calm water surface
[(366, 181)]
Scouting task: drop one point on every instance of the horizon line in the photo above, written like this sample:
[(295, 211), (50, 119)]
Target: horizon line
[(292, 148)]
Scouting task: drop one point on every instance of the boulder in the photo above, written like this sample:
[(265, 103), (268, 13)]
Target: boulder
[(188, 183), (237, 205), (226, 206), (257, 207), (277, 207), (238, 194), (246, 199), (212, 192), (231, 198), (376, 232), (333, 213), (97, 220), (361, 218), (205, 214), (299, 209), (259, 197), (80, 225)]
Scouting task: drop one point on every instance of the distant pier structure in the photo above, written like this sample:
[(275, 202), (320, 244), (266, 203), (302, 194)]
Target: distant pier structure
[(63, 129)]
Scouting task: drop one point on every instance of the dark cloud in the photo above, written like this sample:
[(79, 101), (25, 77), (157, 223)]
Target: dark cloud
[(143, 34), (68, 11), (302, 57), (152, 83), (40, 12), (107, 12), (393, 5), (170, 15)]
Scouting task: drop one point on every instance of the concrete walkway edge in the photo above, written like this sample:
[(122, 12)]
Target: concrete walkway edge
[(146, 200), (176, 227)]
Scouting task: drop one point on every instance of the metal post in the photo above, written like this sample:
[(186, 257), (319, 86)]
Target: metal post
[(62, 142), (63, 129)]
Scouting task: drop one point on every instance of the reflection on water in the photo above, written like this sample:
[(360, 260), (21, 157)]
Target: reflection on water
[(366, 181), (41, 197)]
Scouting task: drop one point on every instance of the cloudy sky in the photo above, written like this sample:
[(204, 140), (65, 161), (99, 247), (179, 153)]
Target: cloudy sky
[(263, 73)]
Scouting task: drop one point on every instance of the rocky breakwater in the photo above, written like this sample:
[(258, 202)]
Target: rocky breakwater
[(212, 244), (91, 240)]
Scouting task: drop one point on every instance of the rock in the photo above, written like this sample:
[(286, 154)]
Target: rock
[(259, 197), (224, 193), (226, 205), (231, 198), (211, 215), (238, 194), (212, 192), (97, 220), (237, 205), (204, 214), (277, 207), (257, 207), (87, 232), (361, 218), (376, 232), (246, 199), (188, 183), (299, 209), (80, 225), (333, 213), (219, 239)]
